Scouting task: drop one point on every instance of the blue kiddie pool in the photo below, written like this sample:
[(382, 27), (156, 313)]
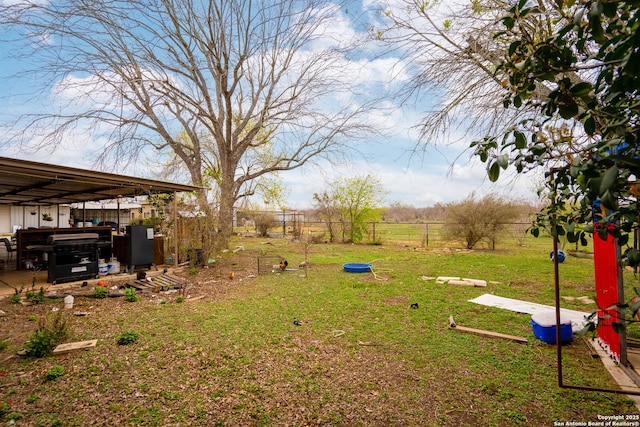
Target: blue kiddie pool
[(356, 267)]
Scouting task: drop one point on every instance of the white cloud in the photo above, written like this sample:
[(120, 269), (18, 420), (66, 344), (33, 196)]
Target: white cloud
[(423, 180)]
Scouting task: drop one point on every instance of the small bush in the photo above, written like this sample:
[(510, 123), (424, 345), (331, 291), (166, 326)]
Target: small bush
[(15, 298), (180, 299), (3, 345), (54, 373), (47, 337), (263, 223), (36, 297), (33, 398), (100, 292), (127, 337), (5, 407), (14, 416), (130, 295)]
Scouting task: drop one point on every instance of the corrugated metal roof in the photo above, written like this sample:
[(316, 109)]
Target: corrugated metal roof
[(26, 183)]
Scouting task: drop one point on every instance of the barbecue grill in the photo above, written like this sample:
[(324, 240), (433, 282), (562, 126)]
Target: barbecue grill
[(73, 256)]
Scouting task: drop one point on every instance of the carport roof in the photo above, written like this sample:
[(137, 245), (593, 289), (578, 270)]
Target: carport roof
[(25, 183)]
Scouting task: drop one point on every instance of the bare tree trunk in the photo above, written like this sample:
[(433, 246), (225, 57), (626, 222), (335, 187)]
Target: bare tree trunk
[(227, 202)]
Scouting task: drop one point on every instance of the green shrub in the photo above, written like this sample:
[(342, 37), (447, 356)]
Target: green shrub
[(3, 345), (54, 373), (15, 298), (100, 292), (130, 295), (33, 398), (180, 298), (14, 416), (263, 223), (47, 337), (127, 337), (36, 297), (5, 407)]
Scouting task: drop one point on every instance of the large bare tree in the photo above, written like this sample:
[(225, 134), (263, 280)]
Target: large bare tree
[(233, 89), (452, 51)]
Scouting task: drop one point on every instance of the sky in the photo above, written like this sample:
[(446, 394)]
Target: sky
[(443, 172)]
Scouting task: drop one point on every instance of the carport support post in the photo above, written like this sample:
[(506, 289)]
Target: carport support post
[(118, 213), (175, 229)]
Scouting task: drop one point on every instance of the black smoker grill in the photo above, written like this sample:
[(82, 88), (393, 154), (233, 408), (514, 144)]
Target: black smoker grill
[(73, 256)]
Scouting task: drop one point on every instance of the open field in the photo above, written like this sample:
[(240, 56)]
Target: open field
[(361, 356)]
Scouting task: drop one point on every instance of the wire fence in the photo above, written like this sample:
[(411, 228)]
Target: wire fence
[(429, 234)]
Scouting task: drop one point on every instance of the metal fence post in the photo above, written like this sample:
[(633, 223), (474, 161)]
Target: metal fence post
[(426, 236)]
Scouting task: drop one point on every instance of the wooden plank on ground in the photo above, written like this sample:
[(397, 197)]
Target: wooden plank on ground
[(490, 334), (165, 282), (176, 282), (72, 346), (141, 285)]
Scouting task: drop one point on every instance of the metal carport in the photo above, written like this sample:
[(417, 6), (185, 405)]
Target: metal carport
[(27, 183)]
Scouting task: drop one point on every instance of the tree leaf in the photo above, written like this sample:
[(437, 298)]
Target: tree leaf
[(517, 101), (581, 89), (503, 161), (596, 29), (633, 259), (568, 110), (521, 140), (609, 179), (509, 22), (494, 172), (623, 239), (618, 327), (583, 240), (589, 125), (609, 201)]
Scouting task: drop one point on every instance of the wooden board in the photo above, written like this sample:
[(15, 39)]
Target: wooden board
[(167, 282), (157, 283), (490, 334), (633, 356), (72, 346), (141, 285)]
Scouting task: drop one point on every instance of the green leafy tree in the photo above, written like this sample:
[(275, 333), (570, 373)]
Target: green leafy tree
[(272, 192), (474, 220), (586, 130), (359, 200)]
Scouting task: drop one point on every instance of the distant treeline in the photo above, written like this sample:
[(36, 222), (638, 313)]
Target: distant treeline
[(405, 213)]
